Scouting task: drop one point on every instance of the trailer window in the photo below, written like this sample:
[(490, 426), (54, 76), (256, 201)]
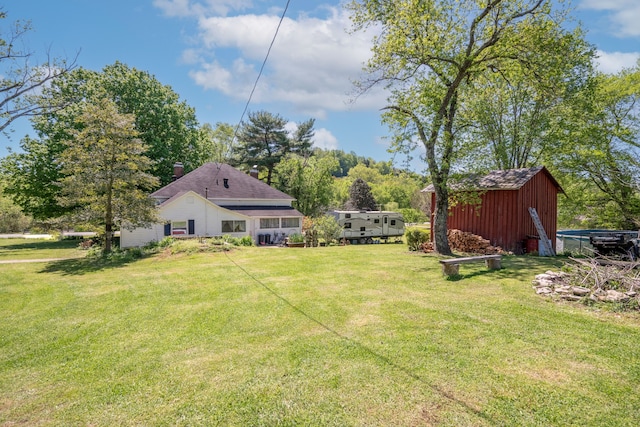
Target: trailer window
[(393, 222), (363, 228), (347, 216), (376, 221), (347, 225)]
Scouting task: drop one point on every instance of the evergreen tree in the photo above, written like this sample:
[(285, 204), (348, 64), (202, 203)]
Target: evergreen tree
[(361, 197), (264, 141), (105, 171)]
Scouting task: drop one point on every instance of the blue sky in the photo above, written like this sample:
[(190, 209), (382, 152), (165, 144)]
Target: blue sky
[(210, 51)]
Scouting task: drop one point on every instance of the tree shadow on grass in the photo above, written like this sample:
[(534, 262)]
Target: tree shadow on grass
[(80, 266), (39, 244), (517, 267)]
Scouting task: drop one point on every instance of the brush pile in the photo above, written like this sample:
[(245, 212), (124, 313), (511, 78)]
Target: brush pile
[(589, 280)]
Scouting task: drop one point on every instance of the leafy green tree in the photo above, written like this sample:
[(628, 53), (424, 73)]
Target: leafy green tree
[(105, 171), (411, 215), (308, 180), (22, 80), (12, 219), (361, 197), (264, 141), (32, 177), (217, 143), (166, 125), (435, 54), (604, 132)]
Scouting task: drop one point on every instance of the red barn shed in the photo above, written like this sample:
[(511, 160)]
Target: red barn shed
[(503, 217)]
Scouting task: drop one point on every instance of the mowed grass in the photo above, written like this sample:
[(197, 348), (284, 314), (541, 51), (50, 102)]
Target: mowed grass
[(25, 249), (338, 336)]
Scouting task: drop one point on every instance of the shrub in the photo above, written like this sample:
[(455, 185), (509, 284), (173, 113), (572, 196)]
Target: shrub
[(328, 228), (296, 238), (416, 237), (246, 241)]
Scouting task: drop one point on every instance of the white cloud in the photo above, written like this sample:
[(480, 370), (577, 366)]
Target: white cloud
[(624, 14), (312, 64), (324, 139), (613, 62), (184, 8)]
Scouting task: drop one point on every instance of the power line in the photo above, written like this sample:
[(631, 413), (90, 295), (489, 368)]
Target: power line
[(246, 107), (255, 84)]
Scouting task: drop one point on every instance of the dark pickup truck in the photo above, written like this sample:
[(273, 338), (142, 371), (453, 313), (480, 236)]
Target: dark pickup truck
[(621, 244)]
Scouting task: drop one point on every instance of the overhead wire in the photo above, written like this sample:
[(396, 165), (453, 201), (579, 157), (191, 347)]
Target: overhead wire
[(260, 72)]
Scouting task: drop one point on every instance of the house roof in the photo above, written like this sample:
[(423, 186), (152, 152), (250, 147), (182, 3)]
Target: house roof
[(510, 179), (221, 181)]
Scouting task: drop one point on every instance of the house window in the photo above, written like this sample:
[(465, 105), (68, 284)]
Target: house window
[(234, 226), (269, 223), (290, 222), (178, 228)]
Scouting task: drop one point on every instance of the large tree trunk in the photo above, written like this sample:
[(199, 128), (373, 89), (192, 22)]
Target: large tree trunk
[(108, 237), (108, 219), (440, 240)]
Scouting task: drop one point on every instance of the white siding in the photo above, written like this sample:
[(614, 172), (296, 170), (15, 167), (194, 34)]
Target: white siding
[(207, 219), (141, 236)]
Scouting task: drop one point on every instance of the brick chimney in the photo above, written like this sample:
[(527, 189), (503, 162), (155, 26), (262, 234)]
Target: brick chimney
[(254, 171), (178, 171)]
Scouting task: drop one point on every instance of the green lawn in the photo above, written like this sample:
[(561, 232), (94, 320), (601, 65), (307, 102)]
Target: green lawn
[(12, 249), (339, 336)]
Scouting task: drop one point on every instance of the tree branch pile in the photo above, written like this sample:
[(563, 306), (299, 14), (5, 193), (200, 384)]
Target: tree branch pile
[(593, 280)]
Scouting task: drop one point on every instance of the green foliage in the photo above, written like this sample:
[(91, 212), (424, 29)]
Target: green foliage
[(603, 130), (361, 197), (435, 55), (327, 228), (32, 178), (264, 141), (105, 171), (245, 241), (308, 180), (295, 238), (415, 237), (411, 215), (217, 143), (12, 220), (166, 125)]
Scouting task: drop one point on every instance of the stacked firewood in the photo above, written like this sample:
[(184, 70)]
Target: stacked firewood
[(462, 241)]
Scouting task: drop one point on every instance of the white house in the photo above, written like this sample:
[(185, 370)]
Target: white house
[(217, 199)]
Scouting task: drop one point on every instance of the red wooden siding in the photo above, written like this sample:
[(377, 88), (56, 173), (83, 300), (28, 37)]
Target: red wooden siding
[(503, 217)]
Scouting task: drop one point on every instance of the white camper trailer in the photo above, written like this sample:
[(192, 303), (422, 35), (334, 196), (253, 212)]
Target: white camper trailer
[(365, 226)]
